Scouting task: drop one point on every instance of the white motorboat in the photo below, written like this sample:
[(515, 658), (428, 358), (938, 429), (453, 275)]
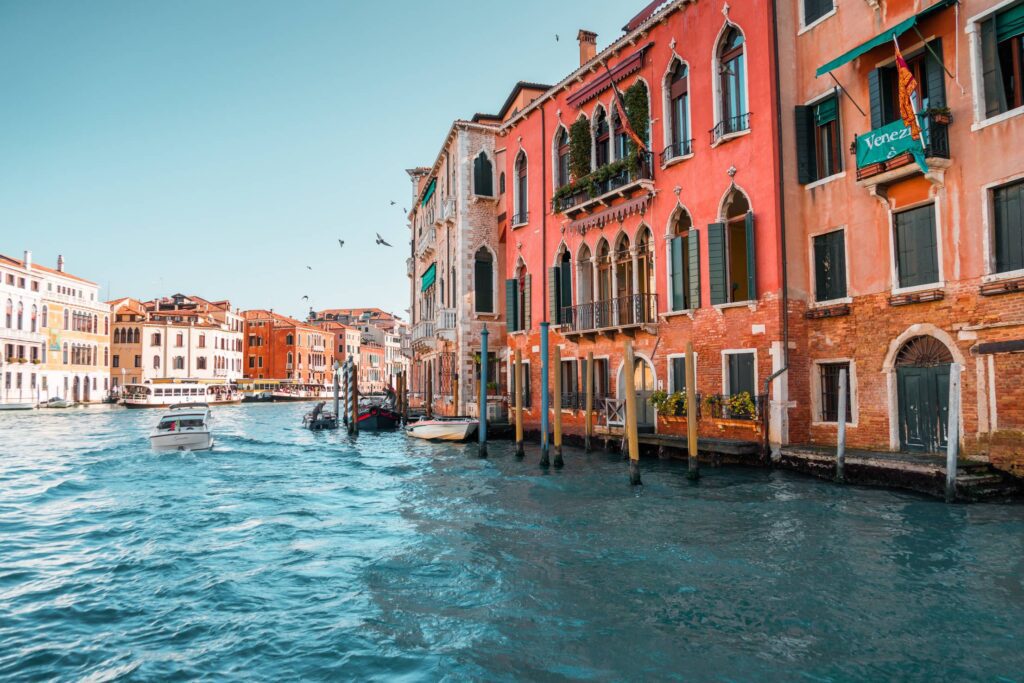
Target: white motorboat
[(184, 427), (16, 406), (443, 429), (57, 402)]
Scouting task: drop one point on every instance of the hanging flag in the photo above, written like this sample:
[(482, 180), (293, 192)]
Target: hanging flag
[(622, 113), (907, 95)]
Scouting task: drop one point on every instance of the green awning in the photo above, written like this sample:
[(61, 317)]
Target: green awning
[(430, 191), (884, 37), (826, 112), (1010, 23), (428, 277)]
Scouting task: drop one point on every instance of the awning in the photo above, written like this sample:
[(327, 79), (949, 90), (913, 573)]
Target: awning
[(884, 37), (428, 277), (430, 191)]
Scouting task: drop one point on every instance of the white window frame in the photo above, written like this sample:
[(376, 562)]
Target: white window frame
[(804, 26), (814, 303), (939, 252), (666, 106), (716, 85), (978, 68), (821, 97), (816, 404), (668, 369), (725, 368), (988, 224)]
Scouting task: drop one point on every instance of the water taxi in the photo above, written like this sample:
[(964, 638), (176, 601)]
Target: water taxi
[(443, 428), (163, 395), (185, 427)]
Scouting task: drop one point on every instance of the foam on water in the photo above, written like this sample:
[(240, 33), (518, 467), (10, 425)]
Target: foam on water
[(287, 554)]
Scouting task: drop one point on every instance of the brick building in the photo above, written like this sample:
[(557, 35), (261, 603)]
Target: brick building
[(607, 243), (279, 347), (895, 274)]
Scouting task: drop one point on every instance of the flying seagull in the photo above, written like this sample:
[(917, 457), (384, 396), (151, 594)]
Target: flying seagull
[(380, 240), (556, 37), (305, 297), (309, 267), (392, 203), (341, 243)]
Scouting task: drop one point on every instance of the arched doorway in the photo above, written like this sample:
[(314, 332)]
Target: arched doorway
[(85, 392), (922, 380), (645, 383), (74, 391)]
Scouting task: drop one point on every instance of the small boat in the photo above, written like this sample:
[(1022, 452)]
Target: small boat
[(57, 402), (16, 406), (258, 397), (378, 418), (443, 429), (319, 419), (185, 427), (166, 394)]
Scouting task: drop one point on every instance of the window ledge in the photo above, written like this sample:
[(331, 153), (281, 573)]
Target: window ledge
[(519, 225), (688, 312), (751, 304), (820, 423), (675, 160), (832, 302), (485, 316), (1008, 275), (998, 118), (897, 291), (825, 181), (484, 198), (730, 136), (813, 24)]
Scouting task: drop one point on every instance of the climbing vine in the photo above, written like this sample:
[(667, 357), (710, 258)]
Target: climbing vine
[(637, 110), (579, 148)]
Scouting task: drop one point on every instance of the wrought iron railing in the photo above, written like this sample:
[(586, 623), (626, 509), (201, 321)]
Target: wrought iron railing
[(521, 218), (936, 134), (730, 125), (677, 149), (740, 406), (623, 311)]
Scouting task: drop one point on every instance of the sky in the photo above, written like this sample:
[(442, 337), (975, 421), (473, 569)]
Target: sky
[(223, 147)]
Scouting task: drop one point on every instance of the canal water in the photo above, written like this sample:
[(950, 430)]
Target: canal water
[(284, 554)]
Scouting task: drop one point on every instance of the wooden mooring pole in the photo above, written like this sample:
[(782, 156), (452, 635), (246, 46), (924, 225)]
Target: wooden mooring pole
[(692, 455), (337, 389), (545, 402), (353, 426), (344, 392), (558, 461), (588, 415), (632, 435), (482, 430), (841, 430), (952, 431), (520, 452)]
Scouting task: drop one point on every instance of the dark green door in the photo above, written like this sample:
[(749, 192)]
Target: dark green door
[(924, 407)]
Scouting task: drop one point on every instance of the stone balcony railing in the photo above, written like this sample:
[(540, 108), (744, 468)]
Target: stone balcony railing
[(425, 242)]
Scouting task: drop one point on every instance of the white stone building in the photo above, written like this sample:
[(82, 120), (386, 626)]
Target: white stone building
[(22, 342)]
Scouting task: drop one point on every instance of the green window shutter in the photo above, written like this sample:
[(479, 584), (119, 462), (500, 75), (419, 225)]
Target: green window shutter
[(839, 258), (829, 266), (678, 286), (483, 274), (512, 304), (991, 72), (527, 320), (826, 111), (805, 157), (821, 268), (751, 258), (693, 257), (877, 102), (717, 275), (565, 290), (1009, 214), (678, 374), (1010, 23), (741, 374), (554, 309), (935, 75), (916, 247)]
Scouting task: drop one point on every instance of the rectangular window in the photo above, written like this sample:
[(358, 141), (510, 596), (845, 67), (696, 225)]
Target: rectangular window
[(917, 261), (818, 140), (816, 9), (116, 362), (741, 374), (830, 391), (1008, 204), (570, 390), (677, 374), (138, 361), (1002, 59), (830, 266)]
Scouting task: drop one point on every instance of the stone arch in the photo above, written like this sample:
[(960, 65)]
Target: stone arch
[(727, 198), (716, 89), (673, 219), (560, 130)]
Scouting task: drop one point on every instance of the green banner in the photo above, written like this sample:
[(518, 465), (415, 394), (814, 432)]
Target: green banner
[(889, 141)]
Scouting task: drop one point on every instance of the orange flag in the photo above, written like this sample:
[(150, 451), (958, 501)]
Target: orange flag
[(907, 94)]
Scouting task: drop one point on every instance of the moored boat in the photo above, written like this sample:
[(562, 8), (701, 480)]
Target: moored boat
[(319, 419), (184, 427), (378, 418), (56, 402), (166, 394), (443, 429), (16, 406)]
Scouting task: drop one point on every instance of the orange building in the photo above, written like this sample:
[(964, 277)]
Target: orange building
[(279, 347)]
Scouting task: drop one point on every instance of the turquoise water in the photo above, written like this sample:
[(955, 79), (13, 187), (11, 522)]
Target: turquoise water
[(284, 554)]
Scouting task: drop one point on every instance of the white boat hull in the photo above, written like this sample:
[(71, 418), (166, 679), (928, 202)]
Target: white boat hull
[(16, 406), (182, 441), (442, 430)]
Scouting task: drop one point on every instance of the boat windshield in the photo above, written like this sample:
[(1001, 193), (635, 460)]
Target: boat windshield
[(175, 423)]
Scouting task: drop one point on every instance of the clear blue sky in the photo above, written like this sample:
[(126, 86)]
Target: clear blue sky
[(219, 147)]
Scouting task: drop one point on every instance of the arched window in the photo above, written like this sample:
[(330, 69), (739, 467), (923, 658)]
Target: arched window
[(46, 315), (106, 356), (732, 83), (680, 142), (684, 285), (522, 203), (585, 281), (156, 362), (106, 324), (66, 319), (603, 311), (623, 282), (136, 336), (179, 362), (602, 139), (483, 176), (645, 305), (65, 355), (562, 282), (9, 314), (156, 339), (731, 253), (562, 156), (21, 315), (621, 138), (522, 300), (501, 183), (483, 281)]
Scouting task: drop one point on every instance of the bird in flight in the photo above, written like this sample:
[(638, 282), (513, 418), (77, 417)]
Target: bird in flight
[(380, 240), (556, 37), (341, 243), (305, 297), (309, 267), (392, 203)]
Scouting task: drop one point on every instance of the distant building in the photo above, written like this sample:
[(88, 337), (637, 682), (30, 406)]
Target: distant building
[(384, 329), (177, 337), (279, 347), (21, 331)]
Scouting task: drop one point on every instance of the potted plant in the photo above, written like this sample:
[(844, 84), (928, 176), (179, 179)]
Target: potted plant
[(741, 406), (939, 114), (714, 405), (657, 399)]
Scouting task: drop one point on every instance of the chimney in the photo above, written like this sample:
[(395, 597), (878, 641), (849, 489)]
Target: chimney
[(588, 45), (60, 263), (28, 260)]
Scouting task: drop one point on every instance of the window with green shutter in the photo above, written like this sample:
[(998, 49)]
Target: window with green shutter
[(677, 373), (732, 260), (682, 265), (1002, 60), (830, 266), (741, 374), (1008, 205), (483, 281), (816, 9), (917, 261), (818, 143), (678, 275), (512, 304), (717, 275)]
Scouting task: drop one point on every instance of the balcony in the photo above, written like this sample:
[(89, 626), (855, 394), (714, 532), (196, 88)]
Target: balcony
[(730, 126), (446, 213), (603, 186), (423, 338), (446, 319), (899, 162), (622, 314), (425, 242), (521, 218), (410, 267), (740, 406), (677, 150)]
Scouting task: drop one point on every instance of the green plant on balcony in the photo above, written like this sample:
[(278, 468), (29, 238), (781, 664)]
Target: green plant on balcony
[(637, 110), (579, 148), (714, 405), (669, 405), (591, 182), (741, 406)]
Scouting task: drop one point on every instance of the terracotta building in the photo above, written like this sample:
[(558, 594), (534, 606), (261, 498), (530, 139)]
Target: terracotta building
[(897, 273), (279, 347), (607, 242)]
